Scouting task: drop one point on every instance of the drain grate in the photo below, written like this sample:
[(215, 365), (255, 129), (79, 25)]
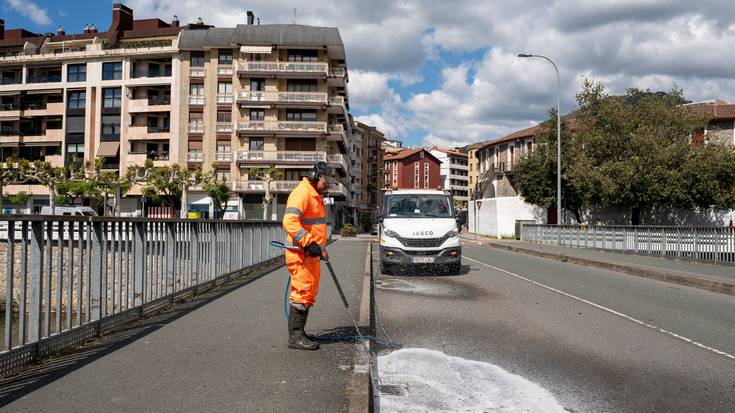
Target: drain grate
[(391, 389)]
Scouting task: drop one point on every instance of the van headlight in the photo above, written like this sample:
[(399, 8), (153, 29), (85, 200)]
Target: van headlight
[(390, 233), (452, 234)]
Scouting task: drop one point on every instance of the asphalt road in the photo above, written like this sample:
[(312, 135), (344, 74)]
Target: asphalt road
[(226, 351), (597, 340)]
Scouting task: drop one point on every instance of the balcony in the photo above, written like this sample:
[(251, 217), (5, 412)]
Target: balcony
[(337, 105), (196, 100), (284, 127), (337, 76), (224, 127), (157, 104), (337, 133), (56, 161), (139, 159), (148, 73), (339, 189), (195, 156), (259, 186), (284, 69), (282, 99), (281, 157), (10, 110), (338, 160), (225, 70), (224, 99), (44, 78), (196, 128), (148, 133), (223, 156), (41, 109), (196, 72), (39, 136), (458, 166)]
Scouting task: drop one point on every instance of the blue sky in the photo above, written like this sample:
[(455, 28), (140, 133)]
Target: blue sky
[(446, 71)]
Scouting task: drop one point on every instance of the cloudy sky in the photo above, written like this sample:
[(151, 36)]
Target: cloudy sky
[(446, 72)]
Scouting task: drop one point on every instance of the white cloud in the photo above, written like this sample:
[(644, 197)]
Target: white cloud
[(645, 43), (29, 9)]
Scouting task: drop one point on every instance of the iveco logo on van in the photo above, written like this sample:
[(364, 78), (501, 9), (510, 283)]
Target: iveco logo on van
[(425, 233)]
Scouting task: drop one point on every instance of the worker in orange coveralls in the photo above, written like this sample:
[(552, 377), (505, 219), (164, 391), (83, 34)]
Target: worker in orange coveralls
[(306, 226)]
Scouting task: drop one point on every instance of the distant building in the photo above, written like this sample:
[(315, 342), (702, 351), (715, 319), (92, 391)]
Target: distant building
[(454, 172), (412, 169), (371, 172)]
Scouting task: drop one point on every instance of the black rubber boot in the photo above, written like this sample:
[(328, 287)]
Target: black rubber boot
[(309, 336), (296, 337)]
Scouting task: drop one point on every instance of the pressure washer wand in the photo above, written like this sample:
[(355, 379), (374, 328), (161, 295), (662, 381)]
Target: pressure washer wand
[(325, 258)]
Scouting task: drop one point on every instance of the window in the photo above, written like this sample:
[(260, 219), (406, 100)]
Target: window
[(302, 56), (416, 173), (224, 117), (75, 124), (75, 152), (224, 88), (223, 174), (395, 174), (421, 154), (76, 73), (257, 114), (197, 59), (112, 71), (111, 97), (225, 57), (111, 125), (77, 99), (308, 116), (426, 175), (223, 147), (257, 85), (196, 90), (302, 86), (255, 144)]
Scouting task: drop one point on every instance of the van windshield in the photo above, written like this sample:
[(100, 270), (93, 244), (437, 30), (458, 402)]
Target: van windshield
[(417, 206)]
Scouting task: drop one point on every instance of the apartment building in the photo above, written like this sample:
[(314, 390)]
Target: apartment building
[(472, 172), (261, 96), (454, 172), (412, 169), (495, 161), (372, 171), (73, 98)]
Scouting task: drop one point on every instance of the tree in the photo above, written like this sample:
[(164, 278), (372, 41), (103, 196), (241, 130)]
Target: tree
[(168, 185), (111, 184), (8, 176), (267, 175), (42, 173), (219, 192)]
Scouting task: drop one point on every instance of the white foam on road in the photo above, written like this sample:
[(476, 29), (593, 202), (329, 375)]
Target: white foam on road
[(435, 382)]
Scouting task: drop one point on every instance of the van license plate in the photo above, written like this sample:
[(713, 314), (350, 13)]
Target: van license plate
[(423, 260)]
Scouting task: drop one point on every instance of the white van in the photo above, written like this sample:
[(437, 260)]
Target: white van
[(419, 227), (69, 211)]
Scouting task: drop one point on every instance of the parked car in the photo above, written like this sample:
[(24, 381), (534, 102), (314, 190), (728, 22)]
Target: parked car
[(69, 211)]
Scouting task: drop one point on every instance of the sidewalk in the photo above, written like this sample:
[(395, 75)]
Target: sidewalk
[(224, 351), (715, 278)]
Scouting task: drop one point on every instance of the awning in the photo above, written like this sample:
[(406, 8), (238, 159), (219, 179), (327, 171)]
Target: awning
[(256, 49), (42, 143), (8, 144), (43, 91), (202, 202), (108, 149), (10, 93)]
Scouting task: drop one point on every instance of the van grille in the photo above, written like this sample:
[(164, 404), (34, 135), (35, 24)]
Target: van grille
[(423, 242)]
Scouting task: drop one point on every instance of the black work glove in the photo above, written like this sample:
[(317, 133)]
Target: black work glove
[(313, 250)]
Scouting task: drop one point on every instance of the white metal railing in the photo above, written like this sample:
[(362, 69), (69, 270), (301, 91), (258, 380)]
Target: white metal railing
[(338, 159), (283, 97), (282, 156), (317, 67), (195, 156), (224, 126), (197, 72), (336, 100), (82, 277), (225, 70), (223, 156), (196, 127), (712, 244), (196, 100), (293, 126), (336, 128), (224, 98), (258, 186), (337, 71)]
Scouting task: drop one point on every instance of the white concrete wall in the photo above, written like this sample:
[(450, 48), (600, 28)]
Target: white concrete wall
[(498, 216)]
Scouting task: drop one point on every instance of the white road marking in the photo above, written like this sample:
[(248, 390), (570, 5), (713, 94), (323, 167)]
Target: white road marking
[(611, 311)]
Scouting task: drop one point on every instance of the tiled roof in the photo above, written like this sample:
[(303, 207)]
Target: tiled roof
[(406, 153), (523, 133), (719, 110), (449, 152)]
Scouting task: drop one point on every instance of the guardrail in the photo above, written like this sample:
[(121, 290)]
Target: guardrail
[(71, 279), (708, 244)]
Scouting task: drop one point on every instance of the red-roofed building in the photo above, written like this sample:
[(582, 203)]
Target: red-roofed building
[(412, 168)]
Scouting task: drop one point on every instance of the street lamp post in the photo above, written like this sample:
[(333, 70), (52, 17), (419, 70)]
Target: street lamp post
[(558, 135)]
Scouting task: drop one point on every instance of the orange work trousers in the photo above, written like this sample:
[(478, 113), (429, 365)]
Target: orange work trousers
[(305, 272)]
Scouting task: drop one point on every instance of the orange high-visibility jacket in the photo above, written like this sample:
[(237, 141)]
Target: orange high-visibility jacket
[(305, 217)]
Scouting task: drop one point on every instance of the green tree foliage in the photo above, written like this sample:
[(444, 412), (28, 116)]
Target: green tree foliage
[(631, 151), (168, 185), (366, 221), (267, 175), (219, 191)]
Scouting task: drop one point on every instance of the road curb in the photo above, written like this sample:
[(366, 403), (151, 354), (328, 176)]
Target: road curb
[(674, 278), (360, 384)]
